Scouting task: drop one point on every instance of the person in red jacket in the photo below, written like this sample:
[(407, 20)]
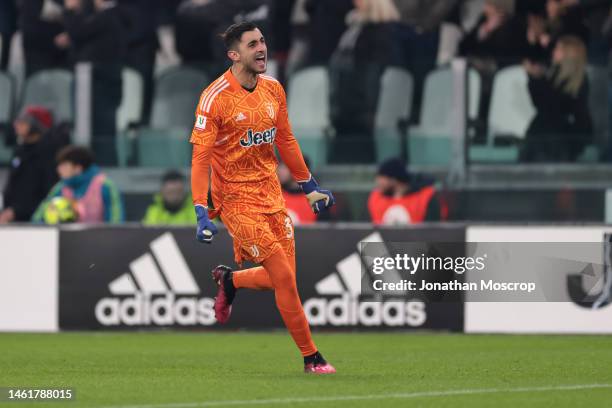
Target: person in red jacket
[(402, 198)]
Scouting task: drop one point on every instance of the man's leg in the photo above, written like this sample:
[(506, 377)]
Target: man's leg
[(258, 278), (288, 301), (248, 231), (273, 245), (253, 278)]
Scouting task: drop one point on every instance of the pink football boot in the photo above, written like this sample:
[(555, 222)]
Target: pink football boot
[(314, 368), (222, 275), (316, 364)]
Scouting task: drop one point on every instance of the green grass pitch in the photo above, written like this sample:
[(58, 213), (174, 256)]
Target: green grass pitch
[(188, 370)]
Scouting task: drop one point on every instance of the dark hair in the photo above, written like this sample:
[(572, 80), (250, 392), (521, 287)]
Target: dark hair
[(173, 175), (77, 155), (233, 33)]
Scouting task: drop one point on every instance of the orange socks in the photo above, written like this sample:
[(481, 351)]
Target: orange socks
[(278, 273), (254, 278)]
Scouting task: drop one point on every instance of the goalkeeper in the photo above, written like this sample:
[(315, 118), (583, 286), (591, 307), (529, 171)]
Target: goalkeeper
[(240, 118)]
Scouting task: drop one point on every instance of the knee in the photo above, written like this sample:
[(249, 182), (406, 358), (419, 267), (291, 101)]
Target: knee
[(285, 281)]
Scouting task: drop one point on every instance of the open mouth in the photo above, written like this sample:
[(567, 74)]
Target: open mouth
[(260, 61)]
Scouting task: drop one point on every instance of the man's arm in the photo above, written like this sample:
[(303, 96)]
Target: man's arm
[(200, 170), (203, 137), (291, 154)]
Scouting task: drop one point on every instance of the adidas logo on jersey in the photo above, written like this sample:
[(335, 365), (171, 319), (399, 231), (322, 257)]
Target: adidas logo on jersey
[(152, 295), (255, 139), (241, 116), (344, 304)]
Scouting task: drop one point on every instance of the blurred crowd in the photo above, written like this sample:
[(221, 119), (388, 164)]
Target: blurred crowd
[(554, 40)]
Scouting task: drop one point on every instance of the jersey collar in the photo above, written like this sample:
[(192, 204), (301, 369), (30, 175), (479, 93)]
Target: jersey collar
[(235, 85)]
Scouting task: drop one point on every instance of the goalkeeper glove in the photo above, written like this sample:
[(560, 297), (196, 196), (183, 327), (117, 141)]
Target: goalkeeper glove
[(206, 229), (318, 199)]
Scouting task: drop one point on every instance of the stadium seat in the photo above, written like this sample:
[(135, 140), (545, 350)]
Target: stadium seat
[(511, 108), (510, 114), (164, 147), (130, 110), (308, 105), (394, 104), (7, 90), (52, 89), (177, 92), (430, 142)]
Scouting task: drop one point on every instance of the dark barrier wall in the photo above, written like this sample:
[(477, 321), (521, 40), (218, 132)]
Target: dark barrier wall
[(474, 205), (133, 277)]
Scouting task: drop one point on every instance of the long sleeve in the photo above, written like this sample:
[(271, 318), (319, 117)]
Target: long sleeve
[(203, 137), (287, 145), (200, 177)]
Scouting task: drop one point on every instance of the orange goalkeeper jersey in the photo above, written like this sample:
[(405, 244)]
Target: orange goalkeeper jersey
[(235, 132)]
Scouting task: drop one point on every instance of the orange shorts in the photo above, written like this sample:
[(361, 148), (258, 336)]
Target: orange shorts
[(256, 236)]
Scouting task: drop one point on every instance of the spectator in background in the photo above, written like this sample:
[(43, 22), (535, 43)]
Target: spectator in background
[(199, 23), (173, 204), (97, 34), (498, 40), (594, 13), (8, 19), (297, 205), (544, 31), (327, 25), (357, 65), (282, 33), (96, 196), (417, 38), (402, 198), (31, 172), (140, 17), (562, 126), (45, 43)]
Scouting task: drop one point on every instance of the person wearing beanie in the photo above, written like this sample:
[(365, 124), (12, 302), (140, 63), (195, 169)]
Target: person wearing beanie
[(32, 167), (402, 198)]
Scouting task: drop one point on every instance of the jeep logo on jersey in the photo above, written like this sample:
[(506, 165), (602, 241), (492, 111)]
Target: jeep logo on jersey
[(159, 296), (255, 139)]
